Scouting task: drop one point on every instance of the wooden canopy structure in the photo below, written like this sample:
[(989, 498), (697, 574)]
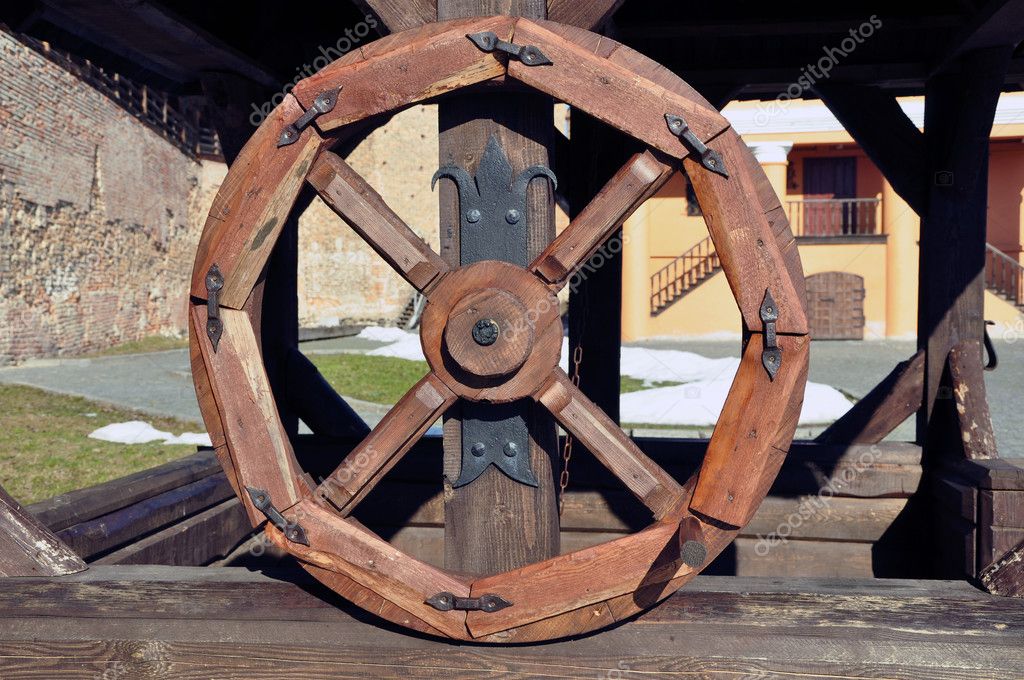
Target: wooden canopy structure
[(960, 55)]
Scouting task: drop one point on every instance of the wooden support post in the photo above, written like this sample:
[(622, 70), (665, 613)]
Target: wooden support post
[(959, 108), (507, 524)]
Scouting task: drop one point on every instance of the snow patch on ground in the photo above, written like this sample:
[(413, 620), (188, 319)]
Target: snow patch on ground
[(138, 432), (380, 334), (696, 402)]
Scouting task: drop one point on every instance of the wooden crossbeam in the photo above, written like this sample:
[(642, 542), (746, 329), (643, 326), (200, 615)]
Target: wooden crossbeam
[(998, 23), (28, 548), (591, 15), (887, 135), (401, 15), (897, 397)]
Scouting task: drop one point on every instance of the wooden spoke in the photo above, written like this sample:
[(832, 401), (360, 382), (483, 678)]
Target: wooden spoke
[(365, 211), (637, 181), (654, 487), (402, 427)]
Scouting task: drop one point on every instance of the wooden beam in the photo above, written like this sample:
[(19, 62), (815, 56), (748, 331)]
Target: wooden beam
[(999, 23), (959, 109), (401, 15), (591, 15), (882, 409), (28, 548), (1005, 576), (967, 377), (235, 623), (887, 135), (494, 523)]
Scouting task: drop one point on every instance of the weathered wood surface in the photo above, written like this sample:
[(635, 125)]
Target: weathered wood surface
[(406, 68), (126, 525), (966, 372), (253, 204), (897, 397), (637, 181), (200, 539), (753, 433), (1005, 576), (401, 15), (349, 195), (234, 624), (28, 548), (82, 505), (591, 15)]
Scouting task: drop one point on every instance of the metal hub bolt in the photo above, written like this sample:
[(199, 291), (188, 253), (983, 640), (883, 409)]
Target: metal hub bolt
[(512, 216), (511, 449), (485, 332), (473, 216), (478, 449)]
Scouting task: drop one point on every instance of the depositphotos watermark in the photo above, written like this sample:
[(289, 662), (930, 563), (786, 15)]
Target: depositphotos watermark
[(820, 70), (353, 36)]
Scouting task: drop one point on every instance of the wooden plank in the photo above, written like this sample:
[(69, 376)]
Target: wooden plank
[(235, 624), (591, 15), (609, 444), (82, 505), (126, 525), (343, 546), (402, 70), (262, 454), (809, 517), (1007, 508), (401, 15), (610, 92), (795, 558), (753, 432), (747, 245), (198, 540), (897, 397), (639, 179), (28, 548), (996, 473), (253, 204), (356, 202), (966, 371), (391, 439), (998, 23)]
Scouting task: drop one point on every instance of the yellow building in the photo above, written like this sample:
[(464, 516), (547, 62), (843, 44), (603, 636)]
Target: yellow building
[(858, 239)]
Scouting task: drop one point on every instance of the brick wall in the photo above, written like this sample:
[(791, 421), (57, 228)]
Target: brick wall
[(99, 216)]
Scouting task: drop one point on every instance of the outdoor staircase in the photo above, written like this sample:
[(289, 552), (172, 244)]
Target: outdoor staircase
[(1004, 276), (680, 276)]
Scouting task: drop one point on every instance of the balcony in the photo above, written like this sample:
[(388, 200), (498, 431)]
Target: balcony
[(825, 218)]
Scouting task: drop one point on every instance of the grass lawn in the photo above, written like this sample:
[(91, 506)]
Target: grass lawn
[(383, 380), (154, 343), (45, 449)]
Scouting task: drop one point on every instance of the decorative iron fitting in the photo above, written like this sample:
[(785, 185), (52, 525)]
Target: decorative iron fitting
[(530, 55), (323, 103), (293, 531), (214, 326), (771, 356), (447, 602), (709, 158)]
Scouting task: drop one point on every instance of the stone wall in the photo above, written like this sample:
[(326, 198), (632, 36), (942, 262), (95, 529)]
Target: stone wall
[(99, 216)]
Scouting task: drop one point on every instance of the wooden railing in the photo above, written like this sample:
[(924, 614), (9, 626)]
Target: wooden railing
[(1003, 275), (152, 107), (683, 274), (827, 217)]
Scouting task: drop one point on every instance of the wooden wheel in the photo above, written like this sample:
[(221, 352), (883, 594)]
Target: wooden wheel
[(515, 310)]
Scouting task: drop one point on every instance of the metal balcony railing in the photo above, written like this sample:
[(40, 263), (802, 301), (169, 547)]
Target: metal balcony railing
[(835, 217), (683, 274)]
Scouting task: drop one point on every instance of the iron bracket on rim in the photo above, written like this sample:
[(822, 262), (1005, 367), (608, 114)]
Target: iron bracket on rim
[(771, 356), (709, 158), (214, 326), (446, 602), (293, 531), (530, 55), (324, 103)]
